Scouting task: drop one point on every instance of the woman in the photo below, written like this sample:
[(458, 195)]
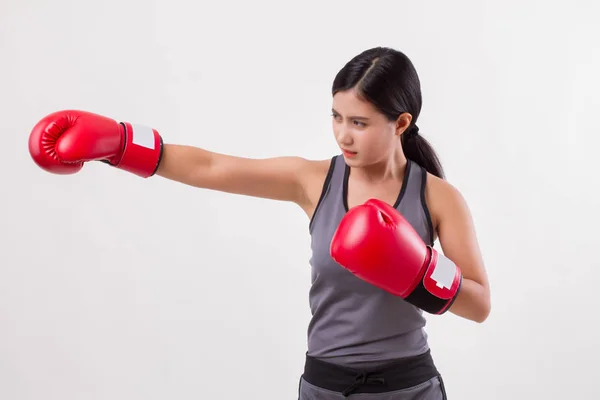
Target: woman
[(366, 336)]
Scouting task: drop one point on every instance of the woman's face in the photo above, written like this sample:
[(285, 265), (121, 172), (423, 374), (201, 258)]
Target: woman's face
[(364, 135)]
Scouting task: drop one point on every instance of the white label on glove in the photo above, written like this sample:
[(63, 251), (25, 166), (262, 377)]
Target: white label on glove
[(142, 136), (444, 273)]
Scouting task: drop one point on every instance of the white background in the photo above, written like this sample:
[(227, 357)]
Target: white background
[(115, 287)]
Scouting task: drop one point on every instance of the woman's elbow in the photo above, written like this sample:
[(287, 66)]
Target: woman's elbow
[(484, 312)]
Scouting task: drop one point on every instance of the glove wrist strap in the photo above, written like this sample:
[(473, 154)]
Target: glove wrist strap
[(142, 150), (437, 290)]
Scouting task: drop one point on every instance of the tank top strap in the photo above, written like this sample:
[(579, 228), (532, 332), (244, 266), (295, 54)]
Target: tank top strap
[(412, 202), (333, 188)]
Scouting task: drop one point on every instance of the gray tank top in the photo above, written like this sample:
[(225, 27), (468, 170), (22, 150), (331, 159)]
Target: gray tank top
[(353, 322)]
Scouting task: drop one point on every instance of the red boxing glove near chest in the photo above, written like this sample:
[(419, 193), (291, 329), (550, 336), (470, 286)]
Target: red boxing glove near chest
[(376, 243)]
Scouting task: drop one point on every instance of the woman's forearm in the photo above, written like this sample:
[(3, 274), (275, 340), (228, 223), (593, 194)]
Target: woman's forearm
[(182, 163), (472, 302)]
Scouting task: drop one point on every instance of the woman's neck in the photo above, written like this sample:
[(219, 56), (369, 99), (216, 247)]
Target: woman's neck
[(392, 168)]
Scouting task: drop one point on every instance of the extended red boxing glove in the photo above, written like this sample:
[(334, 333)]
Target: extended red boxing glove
[(376, 243), (63, 141)]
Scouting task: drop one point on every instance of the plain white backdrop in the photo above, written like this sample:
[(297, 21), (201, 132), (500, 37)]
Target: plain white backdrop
[(115, 287)]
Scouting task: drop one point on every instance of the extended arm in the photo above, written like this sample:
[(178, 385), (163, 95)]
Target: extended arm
[(62, 142)]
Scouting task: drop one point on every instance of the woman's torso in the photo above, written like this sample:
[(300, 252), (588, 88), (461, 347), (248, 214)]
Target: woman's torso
[(353, 322)]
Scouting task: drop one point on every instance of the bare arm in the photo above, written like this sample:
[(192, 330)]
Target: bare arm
[(278, 178), (459, 243)]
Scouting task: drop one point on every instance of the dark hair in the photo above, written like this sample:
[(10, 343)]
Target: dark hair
[(388, 79)]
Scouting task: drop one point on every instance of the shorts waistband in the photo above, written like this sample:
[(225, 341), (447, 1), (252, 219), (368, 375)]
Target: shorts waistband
[(396, 375)]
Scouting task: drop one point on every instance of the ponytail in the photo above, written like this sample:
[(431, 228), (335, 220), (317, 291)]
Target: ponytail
[(387, 79), (416, 148)]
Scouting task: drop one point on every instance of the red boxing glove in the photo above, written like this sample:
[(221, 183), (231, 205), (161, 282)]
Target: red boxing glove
[(376, 243), (63, 141)]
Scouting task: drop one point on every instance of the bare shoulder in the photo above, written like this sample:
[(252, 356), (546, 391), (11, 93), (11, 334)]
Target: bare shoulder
[(314, 167), (443, 199), (313, 174)]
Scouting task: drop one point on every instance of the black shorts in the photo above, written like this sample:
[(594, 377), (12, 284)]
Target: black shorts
[(409, 378)]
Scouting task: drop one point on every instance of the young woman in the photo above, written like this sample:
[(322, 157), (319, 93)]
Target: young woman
[(375, 211)]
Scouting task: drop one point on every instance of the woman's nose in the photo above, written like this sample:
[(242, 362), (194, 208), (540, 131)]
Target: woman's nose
[(343, 135)]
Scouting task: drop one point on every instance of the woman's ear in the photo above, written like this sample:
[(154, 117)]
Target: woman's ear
[(402, 123)]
